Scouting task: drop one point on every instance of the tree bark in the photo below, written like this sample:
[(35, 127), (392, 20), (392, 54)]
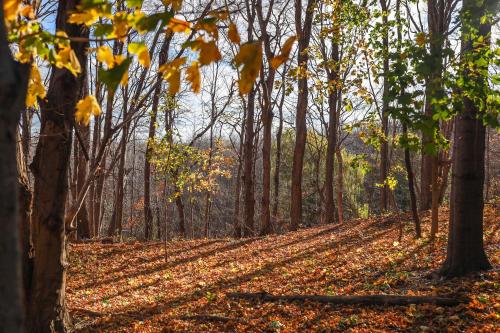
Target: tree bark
[(333, 77), (148, 214), (248, 154), (465, 252), (384, 147), (304, 34), (48, 310), (13, 88)]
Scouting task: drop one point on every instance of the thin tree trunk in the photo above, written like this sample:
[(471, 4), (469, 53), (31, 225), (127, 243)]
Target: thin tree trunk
[(340, 186), (277, 168), (384, 148), (304, 34), (333, 77)]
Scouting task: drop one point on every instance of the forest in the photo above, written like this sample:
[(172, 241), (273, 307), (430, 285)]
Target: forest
[(249, 166)]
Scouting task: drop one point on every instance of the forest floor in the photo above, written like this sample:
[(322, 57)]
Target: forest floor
[(132, 288)]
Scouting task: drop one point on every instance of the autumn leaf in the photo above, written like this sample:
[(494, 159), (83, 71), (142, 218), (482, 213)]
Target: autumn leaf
[(10, 9), (36, 88), (27, 11), (193, 76), (120, 25), (172, 74), (105, 55), (420, 39), (141, 50), (178, 25), (250, 57), (285, 53), (87, 17), (209, 25), (176, 4), (233, 34), (85, 108), (208, 51), (66, 58)]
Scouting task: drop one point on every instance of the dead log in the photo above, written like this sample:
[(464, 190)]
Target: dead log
[(352, 299)]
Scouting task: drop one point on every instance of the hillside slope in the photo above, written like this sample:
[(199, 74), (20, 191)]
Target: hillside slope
[(130, 287)]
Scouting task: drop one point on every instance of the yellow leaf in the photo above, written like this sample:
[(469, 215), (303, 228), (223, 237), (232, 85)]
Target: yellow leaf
[(193, 76), (208, 51), (10, 9), (86, 107), (178, 25), (420, 39), (27, 11), (66, 58), (142, 53), (105, 55), (250, 56), (233, 34), (285, 53), (120, 25), (171, 73), (118, 60), (36, 88), (87, 17)]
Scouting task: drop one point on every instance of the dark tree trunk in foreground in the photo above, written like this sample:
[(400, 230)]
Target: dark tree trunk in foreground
[(303, 31), (24, 208), (13, 87), (465, 252), (48, 310)]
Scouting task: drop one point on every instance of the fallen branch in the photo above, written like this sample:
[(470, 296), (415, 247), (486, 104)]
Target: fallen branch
[(348, 300), (210, 318)]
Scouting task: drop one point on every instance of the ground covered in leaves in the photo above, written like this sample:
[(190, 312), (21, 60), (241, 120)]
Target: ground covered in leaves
[(135, 288)]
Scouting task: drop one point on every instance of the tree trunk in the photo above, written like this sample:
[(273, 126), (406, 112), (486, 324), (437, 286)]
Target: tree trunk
[(277, 167), (180, 210), (24, 205), (304, 34), (384, 148), (13, 87), (48, 310), (340, 186), (148, 214), (248, 157), (332, 135), (465, 252), (116, 224), (411, 187), (83, 223)]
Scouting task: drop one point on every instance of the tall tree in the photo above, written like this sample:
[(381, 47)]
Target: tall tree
[(465, 252), (332, 71), (248, 153), (13, 87), (148, 215), (48, 310), (303, 29), (384, 147)]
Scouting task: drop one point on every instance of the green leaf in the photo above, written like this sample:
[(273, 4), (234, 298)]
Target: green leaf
[(112, 77)]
